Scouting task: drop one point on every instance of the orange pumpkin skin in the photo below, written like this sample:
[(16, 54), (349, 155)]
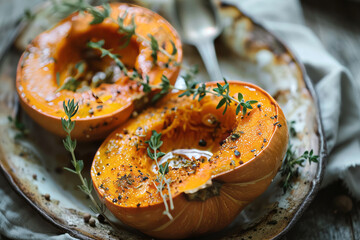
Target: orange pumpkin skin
[(107, 105), (262, 144)]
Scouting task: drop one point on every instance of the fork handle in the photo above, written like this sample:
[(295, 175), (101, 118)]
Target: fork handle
[(208, 55)]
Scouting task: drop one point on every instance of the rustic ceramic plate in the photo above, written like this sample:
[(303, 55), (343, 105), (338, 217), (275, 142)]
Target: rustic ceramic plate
[(33, 165)]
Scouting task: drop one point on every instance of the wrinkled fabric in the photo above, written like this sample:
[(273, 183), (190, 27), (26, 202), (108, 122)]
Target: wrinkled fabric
[(338, 95)]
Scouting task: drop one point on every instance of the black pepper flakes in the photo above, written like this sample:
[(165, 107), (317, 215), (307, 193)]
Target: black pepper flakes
[(138, 205), (241, 162), (253, 150), (202, 143), (265, 140), (114, 200), (99, 173), (119, 197), (237, 153), (276, 123)]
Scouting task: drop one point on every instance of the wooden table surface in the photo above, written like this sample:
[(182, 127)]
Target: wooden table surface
[(337, 24)]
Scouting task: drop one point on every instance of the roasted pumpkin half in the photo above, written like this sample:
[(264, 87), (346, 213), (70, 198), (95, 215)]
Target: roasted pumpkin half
[(218, 163), (59, 65)]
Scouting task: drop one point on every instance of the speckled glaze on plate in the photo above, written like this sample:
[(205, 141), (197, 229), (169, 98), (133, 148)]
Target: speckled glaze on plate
[(246, 51)]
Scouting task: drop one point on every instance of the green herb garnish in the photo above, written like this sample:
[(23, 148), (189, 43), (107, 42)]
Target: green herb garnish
[(70, 84), (192, 88), (71, 108), (58, 79), (290, 168), (99, 15), (162, 182), (292, 128), (128, 30), (154, 48)]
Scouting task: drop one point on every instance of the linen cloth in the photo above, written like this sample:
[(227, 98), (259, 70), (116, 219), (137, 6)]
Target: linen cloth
[(338, 95)]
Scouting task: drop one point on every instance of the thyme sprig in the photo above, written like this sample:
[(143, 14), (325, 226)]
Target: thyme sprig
[(162, 181), (292, 162), (70, 109), (127, 30), (199, 90), (196, 89)]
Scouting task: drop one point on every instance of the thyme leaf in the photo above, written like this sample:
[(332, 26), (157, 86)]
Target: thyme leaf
[(99, 15), (70, 84), (80, 66), (154, 48), (174, 52), (292, 128), (58, 78)]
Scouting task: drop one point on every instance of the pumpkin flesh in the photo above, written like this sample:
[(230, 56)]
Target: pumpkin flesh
[(208, 190), (106, 97)]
